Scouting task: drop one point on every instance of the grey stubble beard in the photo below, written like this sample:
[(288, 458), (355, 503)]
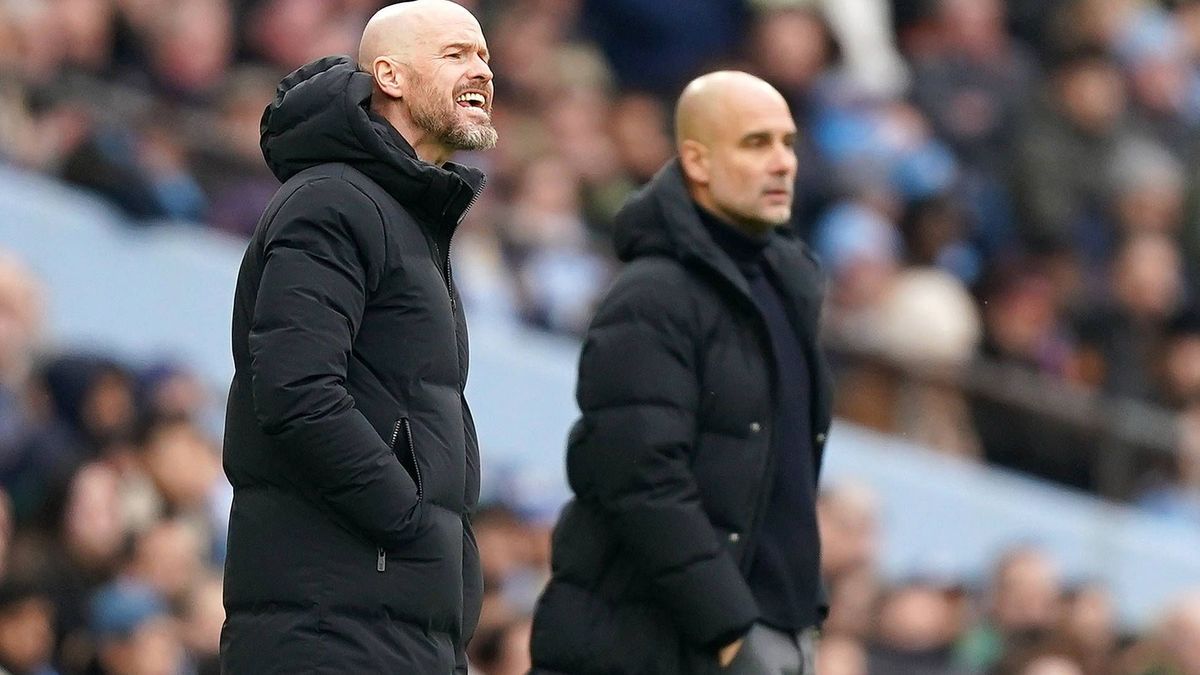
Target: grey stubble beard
[(444, 124)]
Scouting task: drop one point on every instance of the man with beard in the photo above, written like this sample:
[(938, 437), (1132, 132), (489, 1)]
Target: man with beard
[(691, 545), (350, 448)]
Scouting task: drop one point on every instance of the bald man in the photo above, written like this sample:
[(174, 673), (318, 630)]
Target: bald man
[(348, 442), (691, 544)]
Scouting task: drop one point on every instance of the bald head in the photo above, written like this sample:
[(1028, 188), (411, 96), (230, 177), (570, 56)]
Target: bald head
[(711, 101), (429, 61), (400, 30), (734, 134)]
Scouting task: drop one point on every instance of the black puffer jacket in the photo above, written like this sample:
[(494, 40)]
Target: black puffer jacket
[(672, 458), (350, 448)]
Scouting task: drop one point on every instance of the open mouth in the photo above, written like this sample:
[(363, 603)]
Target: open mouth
[(471, 99)]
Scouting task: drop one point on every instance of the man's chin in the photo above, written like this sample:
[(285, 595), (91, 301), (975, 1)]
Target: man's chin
[(474, 137), (777, 217)]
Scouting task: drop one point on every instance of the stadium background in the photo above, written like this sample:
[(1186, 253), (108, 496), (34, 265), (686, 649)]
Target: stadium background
[(1005, 196)]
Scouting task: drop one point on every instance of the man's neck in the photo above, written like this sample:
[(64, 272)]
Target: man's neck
[(705, 202), (430, 152), (427, 148)]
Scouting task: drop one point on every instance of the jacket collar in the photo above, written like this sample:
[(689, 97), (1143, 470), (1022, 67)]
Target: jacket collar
[(662, 219)]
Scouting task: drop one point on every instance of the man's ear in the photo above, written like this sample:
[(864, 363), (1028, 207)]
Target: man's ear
[(389, 77), (694, 157)]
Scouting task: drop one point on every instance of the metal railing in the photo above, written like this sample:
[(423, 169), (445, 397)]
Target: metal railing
[(1113, 445)]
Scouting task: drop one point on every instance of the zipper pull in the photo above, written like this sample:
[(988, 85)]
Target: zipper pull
[(381, 561)]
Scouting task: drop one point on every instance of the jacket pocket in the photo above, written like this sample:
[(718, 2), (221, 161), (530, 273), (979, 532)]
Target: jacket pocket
[(406, 451)]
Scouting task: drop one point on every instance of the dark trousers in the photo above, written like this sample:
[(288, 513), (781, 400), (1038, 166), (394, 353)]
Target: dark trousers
[(768, 651)]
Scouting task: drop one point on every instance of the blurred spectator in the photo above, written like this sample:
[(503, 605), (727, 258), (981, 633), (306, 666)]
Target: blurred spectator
[(142, 168), (559, 276), (1024, 599), (973, 80), (1025, 326), (1148, 187), (169, 390), (793, 47), (203, 615), (497, 534), (1180, 370), (848, 515), (167, 559), (26, 630), (1152, 46), (503, 650), (639, 129), (24, 470), (1024, 323), (1120, 342), (937, 233), (86, 552), (853, 601), (21, 318), (841, 656), (1178, 639), (917, 628), (1049, 659), (189, 45), (860, 250), (290, 33), (135, 634), (182, 464), (94, 396), (1080, 123), (231, 167), (183, 469), (863, 30), (88, 31), (927, 321), (651, 49), (1088, 627)]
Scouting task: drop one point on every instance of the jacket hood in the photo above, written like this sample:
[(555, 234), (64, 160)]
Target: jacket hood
[(661, 220), (321, 113)]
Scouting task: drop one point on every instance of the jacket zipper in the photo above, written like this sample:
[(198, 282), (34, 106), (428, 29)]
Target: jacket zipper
[(412, 452), (450, 244), (402, 423)]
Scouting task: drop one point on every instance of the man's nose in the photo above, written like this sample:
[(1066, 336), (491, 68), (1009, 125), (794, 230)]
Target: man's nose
[(480, 70), (783, 160)]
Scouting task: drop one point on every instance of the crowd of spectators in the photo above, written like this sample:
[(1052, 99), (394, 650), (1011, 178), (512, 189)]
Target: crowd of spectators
[(113, 506), (1009, 181), (1016, 182), (1022, 618)]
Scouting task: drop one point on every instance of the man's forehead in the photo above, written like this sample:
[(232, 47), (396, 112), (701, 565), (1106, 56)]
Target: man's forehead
[(742, 119), (458, 35), (727, 106)]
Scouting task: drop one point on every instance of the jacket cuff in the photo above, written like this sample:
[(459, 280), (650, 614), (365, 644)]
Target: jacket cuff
[(728, 638), (710, 601)]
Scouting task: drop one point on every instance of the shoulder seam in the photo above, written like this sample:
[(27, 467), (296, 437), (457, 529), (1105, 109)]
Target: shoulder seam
[(340, 179), (378, 211)]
